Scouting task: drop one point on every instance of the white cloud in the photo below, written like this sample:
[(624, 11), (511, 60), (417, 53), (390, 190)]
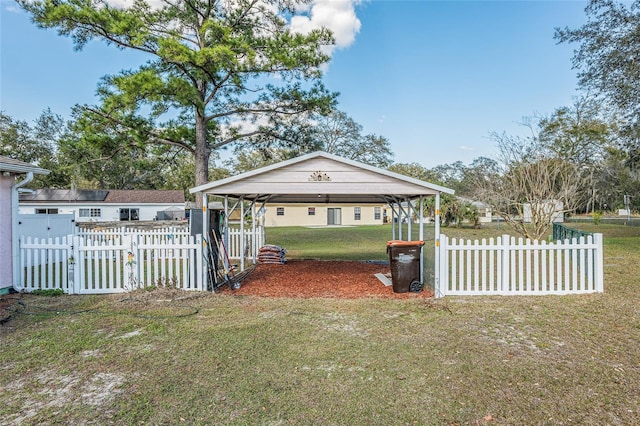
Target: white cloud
[(339, 16), (466, 148)]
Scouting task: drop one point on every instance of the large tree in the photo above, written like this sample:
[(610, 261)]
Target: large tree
[(339, 134), (219, 71), (36, 144), (607, 60), (335, 133), (580, 135), (530, 185)]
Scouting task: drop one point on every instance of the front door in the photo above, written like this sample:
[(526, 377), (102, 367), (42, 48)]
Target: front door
[(334, 216)]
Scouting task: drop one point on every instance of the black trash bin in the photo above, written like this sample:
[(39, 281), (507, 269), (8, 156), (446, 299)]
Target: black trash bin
[(404, 258)]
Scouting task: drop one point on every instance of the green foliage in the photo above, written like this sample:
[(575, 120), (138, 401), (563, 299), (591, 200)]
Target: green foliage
[(416, 171), (209, 62), (37, 144), (456, 212), (608, 44), (597, 217), (339, 134)]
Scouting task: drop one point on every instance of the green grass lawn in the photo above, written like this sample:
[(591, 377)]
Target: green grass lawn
[(169, 358), (358, 243)]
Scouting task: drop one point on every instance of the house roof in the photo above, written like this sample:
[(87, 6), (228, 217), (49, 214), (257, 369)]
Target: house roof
[(109, 196), (145, 196), (321, 177), (12, 165)]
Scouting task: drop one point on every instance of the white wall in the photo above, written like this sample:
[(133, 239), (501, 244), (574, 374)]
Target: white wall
[(6, 271), (109, 212), (298, 214)]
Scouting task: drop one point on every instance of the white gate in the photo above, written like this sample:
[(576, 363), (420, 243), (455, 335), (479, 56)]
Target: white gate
[(507, 266), (88, 265), (46, 225)]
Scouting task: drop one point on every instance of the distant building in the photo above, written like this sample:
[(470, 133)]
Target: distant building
[(551, 209), (94, 205), (320, 214)]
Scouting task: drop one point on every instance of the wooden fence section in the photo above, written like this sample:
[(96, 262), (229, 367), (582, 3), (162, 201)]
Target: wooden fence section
[(506, 266), (91, 265)]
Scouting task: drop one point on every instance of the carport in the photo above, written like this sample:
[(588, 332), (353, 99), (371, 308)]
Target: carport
[(327, 177)]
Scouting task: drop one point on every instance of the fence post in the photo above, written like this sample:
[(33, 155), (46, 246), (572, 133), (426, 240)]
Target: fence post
[(201, 267), (504, 281), (599, 263), (132, 263), (441, 283), (74, 272)]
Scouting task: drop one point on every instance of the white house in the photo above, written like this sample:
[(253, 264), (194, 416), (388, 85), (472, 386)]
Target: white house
[(10, 171), (322, 214), (94, 205)]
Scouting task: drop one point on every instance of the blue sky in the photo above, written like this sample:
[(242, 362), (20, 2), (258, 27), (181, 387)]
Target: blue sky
[(433, 77)]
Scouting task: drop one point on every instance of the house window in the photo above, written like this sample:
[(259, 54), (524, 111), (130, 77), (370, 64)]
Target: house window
[(129, 214), (46, 211), (90, 213), (280, 211), (356, 213), (311, 211), (377, 213)]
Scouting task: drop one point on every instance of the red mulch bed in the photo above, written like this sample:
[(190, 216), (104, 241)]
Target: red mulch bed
[(317, 278)]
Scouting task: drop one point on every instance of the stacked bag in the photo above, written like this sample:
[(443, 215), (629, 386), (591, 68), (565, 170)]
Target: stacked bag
[(272, 254)]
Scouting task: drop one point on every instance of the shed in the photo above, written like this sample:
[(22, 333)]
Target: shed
[(326, 177), (10, 171)]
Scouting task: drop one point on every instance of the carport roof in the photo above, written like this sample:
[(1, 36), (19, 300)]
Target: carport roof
[(321, 177)]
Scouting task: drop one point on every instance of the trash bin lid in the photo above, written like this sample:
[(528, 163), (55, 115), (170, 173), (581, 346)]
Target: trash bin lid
[(399, 243)]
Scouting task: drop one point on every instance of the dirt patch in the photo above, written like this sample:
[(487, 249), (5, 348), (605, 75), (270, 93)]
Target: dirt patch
[(9, 304), (317, 278)]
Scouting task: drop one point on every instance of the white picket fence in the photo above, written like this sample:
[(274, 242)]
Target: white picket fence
[(506, 266), (111, 263), (252, 243), (165, 235), (117, 234)]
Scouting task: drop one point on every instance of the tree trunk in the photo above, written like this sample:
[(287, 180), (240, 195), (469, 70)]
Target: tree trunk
[(203, 152)]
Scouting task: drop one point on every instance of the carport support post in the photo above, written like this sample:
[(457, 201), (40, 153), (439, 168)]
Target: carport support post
[(421, 238), (409, 213), (242, 236), (205, 237), (253, 231), (436, 272)]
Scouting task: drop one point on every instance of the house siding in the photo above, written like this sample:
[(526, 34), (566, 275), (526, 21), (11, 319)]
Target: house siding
[(108, 212), (298, 214), (6, 277)]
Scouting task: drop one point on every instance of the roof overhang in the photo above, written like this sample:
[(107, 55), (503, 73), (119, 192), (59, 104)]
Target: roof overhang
[(10, 165), (320, 177)]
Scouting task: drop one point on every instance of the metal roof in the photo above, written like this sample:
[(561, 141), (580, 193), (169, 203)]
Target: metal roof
[(321, 177)]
